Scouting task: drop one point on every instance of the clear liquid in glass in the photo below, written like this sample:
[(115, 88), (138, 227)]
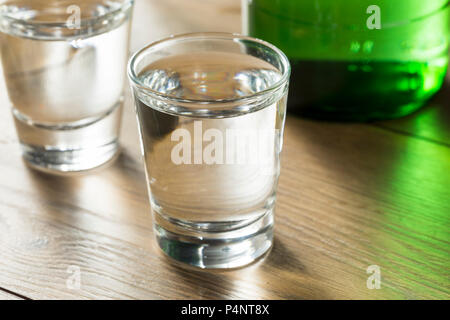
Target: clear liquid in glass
[(65, 83), (233, 190)]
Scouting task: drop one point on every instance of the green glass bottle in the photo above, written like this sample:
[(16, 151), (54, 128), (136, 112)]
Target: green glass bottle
[(356, 60)]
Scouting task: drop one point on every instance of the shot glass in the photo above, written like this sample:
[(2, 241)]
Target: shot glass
[(64, 64), (211, 111)]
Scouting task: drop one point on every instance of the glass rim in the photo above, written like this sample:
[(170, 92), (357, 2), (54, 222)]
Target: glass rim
[(84, 22), (208, 36)]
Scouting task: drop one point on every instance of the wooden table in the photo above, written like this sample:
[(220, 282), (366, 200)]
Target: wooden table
[(350, 196)]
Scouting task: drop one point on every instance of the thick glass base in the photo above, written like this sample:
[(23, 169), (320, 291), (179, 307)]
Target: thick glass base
[(215, 250), (55, 160), (70, 147)]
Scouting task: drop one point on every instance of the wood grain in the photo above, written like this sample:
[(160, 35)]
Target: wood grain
[(350, 196)]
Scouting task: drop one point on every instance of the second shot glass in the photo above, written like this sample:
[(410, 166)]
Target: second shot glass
[(64, 64)]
